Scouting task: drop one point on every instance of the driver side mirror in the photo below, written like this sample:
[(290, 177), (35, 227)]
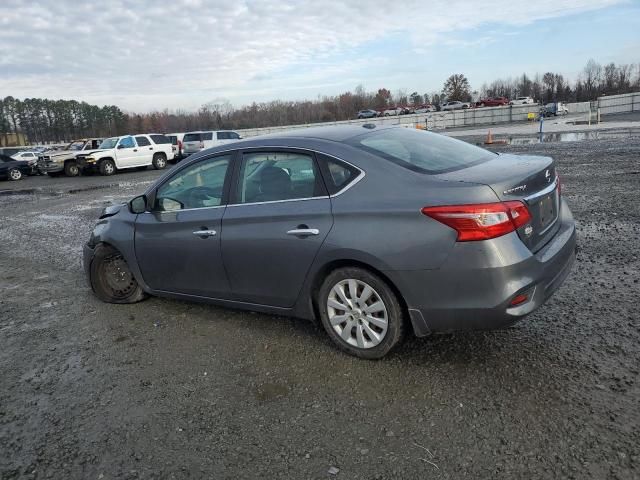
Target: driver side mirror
[(120, 146), (138, 204)]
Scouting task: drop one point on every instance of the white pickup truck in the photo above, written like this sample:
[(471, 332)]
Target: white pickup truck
[(129, 151)]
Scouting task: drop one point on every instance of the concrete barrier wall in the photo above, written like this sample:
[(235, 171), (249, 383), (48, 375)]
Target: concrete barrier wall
[(473, 116), (629, 102), (434, 121)]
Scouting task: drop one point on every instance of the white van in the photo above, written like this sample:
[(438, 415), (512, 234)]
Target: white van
[(194, 142)]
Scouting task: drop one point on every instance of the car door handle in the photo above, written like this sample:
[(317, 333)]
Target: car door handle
[(135, 149), (303, 232), (205, 233), (150, 148)]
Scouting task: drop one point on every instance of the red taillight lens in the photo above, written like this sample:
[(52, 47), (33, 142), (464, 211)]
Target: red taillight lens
[(481, 221), (559, 184)]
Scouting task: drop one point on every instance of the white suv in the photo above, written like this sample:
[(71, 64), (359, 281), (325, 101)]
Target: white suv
[(194, 142), (129, 151)]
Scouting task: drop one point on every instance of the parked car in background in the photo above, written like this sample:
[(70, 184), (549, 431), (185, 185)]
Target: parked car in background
[(555, 109), (194, 142), (455, 105), (29, 156), (407, 110), (522, 101), (390, 111), (492, 102), (367, 114), (12, 169), (57, 162), (426, 108), (500, 236), (176, 141), (129, 151)]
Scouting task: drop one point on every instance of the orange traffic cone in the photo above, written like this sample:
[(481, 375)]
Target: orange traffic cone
[(489, 139)]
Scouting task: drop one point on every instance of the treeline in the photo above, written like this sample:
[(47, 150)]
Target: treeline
[(45, 120)]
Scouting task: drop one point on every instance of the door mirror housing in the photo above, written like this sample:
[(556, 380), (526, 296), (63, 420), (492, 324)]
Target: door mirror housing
[(120, 146), (138, 204)]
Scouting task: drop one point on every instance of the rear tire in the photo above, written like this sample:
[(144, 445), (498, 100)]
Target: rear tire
[(361, 313), (71, 169), (159, 161), (111, 279), (107, 167)]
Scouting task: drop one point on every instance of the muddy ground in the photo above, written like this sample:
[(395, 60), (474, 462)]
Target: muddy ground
[(169, 389)]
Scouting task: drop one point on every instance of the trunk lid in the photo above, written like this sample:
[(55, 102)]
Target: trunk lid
[(531, 179)]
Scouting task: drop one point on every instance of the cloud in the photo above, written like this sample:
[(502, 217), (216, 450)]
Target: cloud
[(155, 53)]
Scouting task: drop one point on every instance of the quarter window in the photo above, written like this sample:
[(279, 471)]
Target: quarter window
[(207, 136), (272, 176), (142, 141), (198, 186), (338, 174)]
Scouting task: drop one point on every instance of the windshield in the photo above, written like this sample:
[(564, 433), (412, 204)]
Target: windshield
[(109, 143), (421, 151), (75, 146)]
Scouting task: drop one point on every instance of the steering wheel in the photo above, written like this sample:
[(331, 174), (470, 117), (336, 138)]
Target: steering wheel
[(199, 195)]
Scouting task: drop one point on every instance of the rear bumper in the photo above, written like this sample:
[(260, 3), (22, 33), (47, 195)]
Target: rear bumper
[(474, 288)]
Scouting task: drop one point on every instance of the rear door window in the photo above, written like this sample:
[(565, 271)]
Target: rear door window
[(223, 136), (207, 136), (142, 141)]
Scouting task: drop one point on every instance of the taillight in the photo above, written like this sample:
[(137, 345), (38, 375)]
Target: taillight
[(481, 221), (559, 184)]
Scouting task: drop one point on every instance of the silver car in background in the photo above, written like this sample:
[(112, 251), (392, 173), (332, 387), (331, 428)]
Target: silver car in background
[(194, 142), (372, 232)]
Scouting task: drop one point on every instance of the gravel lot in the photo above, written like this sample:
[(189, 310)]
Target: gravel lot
[(169, 389)]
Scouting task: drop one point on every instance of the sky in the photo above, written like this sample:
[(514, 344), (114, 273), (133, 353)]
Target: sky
[(150, 55)]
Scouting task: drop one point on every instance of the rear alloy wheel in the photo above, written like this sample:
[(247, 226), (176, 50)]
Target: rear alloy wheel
[(15, 174), (71, 169), (107, 167), (361, 314), (159, 161), (111, 279)]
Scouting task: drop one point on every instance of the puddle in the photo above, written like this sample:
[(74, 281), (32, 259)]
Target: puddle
[(570, 137)]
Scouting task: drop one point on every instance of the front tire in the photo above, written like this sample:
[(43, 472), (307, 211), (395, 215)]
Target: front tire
[(159, 161), (15, 174), (71, 169), (111, 278), (107, 167), (360, 312)]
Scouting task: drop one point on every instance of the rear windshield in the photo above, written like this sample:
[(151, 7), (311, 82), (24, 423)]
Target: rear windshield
[(192, 137), (421, 151)]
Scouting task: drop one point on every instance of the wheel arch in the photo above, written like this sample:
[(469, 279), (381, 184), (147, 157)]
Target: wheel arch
[(321, 273)]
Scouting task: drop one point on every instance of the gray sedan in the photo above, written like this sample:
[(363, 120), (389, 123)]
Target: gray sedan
[(373, 232)]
